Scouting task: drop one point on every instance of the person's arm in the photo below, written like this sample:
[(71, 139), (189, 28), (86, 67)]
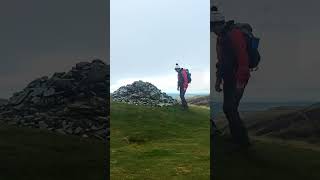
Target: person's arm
[(218, 68), (240, 48), (218, 64)]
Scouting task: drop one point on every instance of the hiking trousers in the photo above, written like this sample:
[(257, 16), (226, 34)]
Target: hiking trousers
[(231, 101), (183, 100)]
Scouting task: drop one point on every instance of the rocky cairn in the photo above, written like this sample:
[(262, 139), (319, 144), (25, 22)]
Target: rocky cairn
[(142, 93), (74, 102)]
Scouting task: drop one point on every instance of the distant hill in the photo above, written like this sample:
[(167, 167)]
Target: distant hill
[(187, 96), (302, 124), (200, 100)]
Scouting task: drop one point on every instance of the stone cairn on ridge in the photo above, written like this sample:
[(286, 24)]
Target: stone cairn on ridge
[(142, 93), (74, 102)]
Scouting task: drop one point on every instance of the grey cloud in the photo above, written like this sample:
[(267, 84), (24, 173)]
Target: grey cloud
[(40, 37)]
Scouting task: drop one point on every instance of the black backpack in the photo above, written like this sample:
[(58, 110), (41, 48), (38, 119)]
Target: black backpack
[(252, 45)]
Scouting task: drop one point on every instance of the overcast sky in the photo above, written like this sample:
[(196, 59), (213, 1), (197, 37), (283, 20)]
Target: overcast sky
[(149, 36), (42, 37), (290, 39)]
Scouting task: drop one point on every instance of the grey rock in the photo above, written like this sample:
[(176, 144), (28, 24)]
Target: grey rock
[(94, 127), (65, 125), (63, 84), (58, 75), (37, 82), (49, 92), (43, 125), (14, 122), (78, 130), (81, 65), (37, 91), (102, 119), (18, 98), (36, 100), (61, 131), (69, 131)]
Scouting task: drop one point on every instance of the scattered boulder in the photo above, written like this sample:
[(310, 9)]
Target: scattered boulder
[(142, 93), (74, 102)]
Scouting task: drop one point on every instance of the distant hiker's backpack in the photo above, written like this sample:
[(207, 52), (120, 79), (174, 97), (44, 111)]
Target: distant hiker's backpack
[(252, 45), (188, 75)]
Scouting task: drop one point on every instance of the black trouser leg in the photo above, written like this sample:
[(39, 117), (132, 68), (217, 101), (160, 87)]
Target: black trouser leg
[(232, 97), (243, 130), (183, 100)]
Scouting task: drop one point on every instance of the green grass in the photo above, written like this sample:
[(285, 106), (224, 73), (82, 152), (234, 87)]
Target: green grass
[(159, 143), (33, 154), (266, 160)]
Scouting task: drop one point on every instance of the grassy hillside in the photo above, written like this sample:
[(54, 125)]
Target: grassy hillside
[(159, 143), (34, 154), (266, 160)]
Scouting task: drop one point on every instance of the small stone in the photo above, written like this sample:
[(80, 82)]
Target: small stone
[(94, 127), (77, 130), (43, 125), (84, 136), (61, 131), (69, 131)]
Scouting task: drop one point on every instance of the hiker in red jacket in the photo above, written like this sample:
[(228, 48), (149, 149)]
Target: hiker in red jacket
[(182, 84), (232, 71)]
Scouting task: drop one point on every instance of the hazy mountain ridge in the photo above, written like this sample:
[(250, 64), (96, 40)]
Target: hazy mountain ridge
[(200, 100), (302, 124)]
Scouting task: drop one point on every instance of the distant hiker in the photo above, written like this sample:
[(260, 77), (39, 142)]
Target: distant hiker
[(184, 78), (235, 59)]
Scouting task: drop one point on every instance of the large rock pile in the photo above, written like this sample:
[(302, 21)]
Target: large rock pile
[(75, 102), (142, 93)]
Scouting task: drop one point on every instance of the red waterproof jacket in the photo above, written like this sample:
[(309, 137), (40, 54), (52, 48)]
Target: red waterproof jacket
[(233, 60), (183, 79)]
